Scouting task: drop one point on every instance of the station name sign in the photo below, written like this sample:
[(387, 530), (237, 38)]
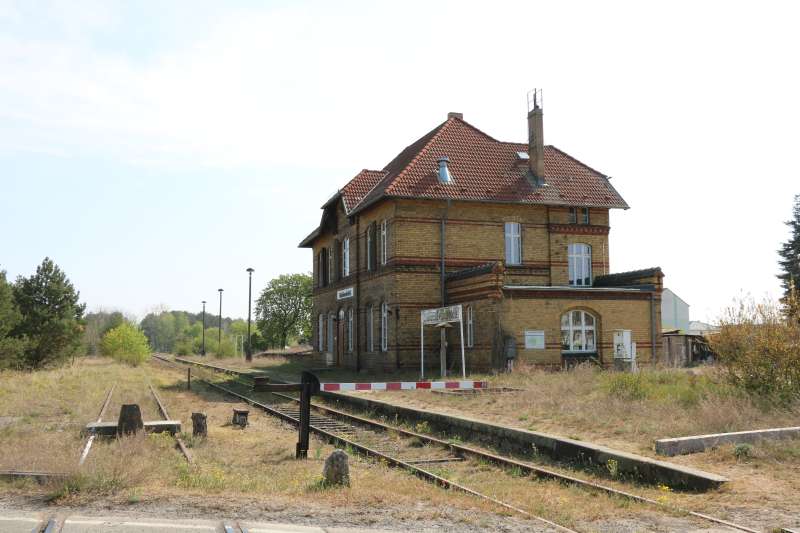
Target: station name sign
[(441, 314), (344, 294)]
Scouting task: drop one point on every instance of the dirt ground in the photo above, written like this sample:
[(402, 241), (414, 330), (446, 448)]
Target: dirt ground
[(628, 413), (252, 474)]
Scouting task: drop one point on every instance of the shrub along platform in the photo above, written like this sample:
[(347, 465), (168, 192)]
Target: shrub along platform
[(522, 441), (700, 443)]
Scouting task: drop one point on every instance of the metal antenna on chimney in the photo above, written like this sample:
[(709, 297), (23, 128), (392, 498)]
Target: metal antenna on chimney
[(535, 99)]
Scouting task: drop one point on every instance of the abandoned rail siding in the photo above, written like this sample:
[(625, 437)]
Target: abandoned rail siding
[(332, 422)]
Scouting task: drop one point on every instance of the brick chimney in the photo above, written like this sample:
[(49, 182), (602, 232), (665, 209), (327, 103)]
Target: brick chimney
[(536, 135)]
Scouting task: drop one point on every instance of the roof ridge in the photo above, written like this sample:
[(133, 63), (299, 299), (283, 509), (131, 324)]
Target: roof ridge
[(476, 129), (562, 152), (423, 150)]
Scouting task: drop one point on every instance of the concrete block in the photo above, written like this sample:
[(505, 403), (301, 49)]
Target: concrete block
[(701, 443)]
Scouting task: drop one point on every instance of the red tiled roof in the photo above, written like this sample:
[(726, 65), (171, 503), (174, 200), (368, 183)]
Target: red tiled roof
[(358, 187), (483, 169)]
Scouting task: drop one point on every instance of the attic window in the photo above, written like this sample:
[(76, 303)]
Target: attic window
[(444, 172), (523, 156)]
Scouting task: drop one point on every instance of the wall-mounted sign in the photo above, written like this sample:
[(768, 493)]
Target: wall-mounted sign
[(344, 294), (534, 339)]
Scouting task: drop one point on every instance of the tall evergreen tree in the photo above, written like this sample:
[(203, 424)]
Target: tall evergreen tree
[(790, 264), (51, 315), (11, 348)]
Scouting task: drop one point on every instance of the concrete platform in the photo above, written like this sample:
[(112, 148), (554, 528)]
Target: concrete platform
[(27, 522), (701, 443), (509, 439)]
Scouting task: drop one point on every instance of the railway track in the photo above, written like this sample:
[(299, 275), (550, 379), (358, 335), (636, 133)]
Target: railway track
[(345, 428)]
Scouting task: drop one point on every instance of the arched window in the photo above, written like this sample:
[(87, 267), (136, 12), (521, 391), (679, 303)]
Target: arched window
[(470, 327), (578, 332), (384, 327), (370, 329), (320, 332), (350, 329), (579, 259)]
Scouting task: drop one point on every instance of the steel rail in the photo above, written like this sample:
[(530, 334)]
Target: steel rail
[(391, 461), (91, 438), (165, 416), (497, 459)]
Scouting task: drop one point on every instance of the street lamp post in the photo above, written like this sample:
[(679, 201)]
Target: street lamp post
[(203, 349), (219, 336), (249, 355)]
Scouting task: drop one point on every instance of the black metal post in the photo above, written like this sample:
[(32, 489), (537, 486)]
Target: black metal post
[(203, 349), (249, 355), (219, 335), (309, 386)]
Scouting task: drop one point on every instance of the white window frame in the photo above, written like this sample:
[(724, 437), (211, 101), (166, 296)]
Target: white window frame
[(570, 326), (384, 234), (321, 332), (331, 263), (579, 264), (470, 327), (370, 244), (584, 215), (346, 257), (350, 329), (370, 329), (513, 243), (384, 327)]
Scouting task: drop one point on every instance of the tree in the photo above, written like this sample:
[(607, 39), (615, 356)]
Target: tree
[(12, 349), (97, 325), (284, 308), (52, 317), (126, 343), (790, 264)]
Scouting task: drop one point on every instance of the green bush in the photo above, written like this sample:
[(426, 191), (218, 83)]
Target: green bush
[(667, 386), (743, 451), (126, 344), (759, 350)]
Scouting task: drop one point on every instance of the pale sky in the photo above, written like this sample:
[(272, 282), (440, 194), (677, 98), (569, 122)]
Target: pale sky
[(155, 150)]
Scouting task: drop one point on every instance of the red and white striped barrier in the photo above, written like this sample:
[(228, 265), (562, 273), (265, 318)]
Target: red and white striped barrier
[(403, 385)]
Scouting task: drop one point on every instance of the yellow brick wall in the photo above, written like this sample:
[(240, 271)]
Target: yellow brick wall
[(519, 314)]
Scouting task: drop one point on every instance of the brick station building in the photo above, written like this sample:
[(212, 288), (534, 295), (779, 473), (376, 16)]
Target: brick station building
[(517, 233)]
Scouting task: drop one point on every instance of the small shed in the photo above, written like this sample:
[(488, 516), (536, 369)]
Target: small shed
[(682, 349)]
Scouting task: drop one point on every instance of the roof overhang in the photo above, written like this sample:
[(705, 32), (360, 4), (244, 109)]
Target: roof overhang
[(309, 240)]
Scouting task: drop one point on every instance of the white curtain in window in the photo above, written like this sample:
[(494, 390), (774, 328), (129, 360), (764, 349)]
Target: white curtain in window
[(513, 243), (470, 327), (346, 257), (578, 332), (579, 261), (383, 242), (370, 327), (384, 327)]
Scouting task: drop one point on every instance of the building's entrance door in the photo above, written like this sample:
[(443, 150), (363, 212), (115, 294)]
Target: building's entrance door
[(340, 337)]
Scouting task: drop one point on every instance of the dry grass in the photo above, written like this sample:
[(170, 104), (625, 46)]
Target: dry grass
[(257, 464)]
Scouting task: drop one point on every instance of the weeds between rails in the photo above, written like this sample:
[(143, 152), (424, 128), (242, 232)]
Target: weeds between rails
[(507, 463), (370, 452)]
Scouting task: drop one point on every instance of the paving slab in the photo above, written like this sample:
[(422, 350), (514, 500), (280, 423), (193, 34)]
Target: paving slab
[(95, 524), (18, 523)]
